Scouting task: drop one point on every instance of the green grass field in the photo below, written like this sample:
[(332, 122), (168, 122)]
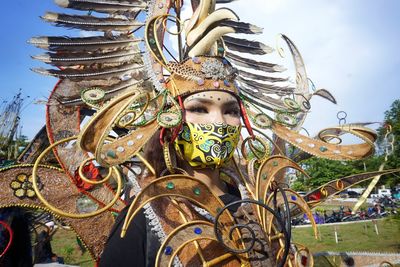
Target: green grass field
[(64, 245), (352, 237)]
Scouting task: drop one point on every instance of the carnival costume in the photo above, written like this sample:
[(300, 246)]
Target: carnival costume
[(127, 86)]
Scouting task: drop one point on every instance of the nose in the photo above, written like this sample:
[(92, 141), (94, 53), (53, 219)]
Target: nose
[(217, 117)]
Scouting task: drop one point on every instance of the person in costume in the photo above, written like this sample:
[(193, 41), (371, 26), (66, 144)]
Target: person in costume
[(206, 143), (206, 128)]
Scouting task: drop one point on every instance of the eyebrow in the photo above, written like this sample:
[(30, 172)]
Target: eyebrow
[(230, 103), (210, 102)]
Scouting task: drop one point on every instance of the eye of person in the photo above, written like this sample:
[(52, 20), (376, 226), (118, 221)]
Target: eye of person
[(233, 112), (197, 109)]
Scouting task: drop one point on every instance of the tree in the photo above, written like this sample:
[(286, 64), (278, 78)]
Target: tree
[(323, 170), (392, 118)]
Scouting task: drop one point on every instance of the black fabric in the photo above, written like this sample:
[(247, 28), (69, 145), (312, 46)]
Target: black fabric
[(130, 250), (140, 245), (43, 251)]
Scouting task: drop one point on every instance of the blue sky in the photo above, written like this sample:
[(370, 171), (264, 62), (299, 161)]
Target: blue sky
[(349, 47)]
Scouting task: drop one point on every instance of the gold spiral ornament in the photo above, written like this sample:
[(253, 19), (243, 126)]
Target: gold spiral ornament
[(164, 23), (254, 149), (58, 211), (339, 185), (87, 180)]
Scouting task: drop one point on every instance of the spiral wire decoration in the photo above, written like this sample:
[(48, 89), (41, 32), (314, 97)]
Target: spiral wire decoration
[(281, 223), (67, 214)]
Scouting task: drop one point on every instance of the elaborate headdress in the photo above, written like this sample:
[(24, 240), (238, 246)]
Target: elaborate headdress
[(128, 90)]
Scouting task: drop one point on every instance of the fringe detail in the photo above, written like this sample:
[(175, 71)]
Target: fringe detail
[(149, 213)]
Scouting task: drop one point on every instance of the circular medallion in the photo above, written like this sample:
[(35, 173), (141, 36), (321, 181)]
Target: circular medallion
[(292, 105), (286, 119), (169, 119), (92, 95), (262, 121)]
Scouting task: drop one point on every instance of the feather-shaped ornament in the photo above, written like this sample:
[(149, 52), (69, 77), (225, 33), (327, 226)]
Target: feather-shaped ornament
[(242, 27), (246, 46), (325, 94), (266, 88), (109, 90), (262, 100), (109, 6), (88, 74), (91, 23), (73, 59), (254, 64), (254, 76), (85, 44)]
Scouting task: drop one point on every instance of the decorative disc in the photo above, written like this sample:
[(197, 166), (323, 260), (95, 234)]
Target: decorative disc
[(262, 121), (92, 95), (291, 104), (286, 119), (169, 119)]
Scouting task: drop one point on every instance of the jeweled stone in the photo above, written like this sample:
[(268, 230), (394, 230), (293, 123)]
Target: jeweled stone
[(293, 198), (162, 80), (197, 231), (323, 148), (224, 61), (311, 145), (196, 191), (152, 41), (218, 210), (299, 140), (227, 83), (102, 156), (168, 250), (111, 154), (200, 82), (350, 152), (160, 5), (196, 60), (120, 149), (216, 84), (264, 176), (336, 151), (170, 185), (275, 163), (130, 143), (139, 136), (168, 119), (221, 49)]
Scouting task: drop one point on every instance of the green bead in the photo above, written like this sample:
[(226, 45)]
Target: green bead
[(264, 176), (196, 191), (323, 149), (221, 49), (111, 154), (218, 210), (170, 185), (152, 41), (274, 163)]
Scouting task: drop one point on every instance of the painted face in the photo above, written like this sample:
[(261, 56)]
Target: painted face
[(211, 129)]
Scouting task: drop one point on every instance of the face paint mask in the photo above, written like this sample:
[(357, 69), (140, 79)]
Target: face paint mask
[(207, 145)]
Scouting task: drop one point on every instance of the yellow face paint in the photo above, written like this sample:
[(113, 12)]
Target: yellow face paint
[(207, 145)]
